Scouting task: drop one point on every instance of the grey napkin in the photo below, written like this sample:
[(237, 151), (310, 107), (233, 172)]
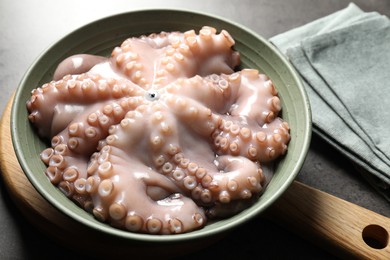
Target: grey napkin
[(344, 62)]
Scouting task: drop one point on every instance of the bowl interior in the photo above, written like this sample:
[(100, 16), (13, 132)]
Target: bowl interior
[(99, 38)]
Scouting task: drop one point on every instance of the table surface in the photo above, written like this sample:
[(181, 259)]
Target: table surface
[(28, 27)]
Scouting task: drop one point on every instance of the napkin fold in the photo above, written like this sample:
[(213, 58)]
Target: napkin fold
[(343, 60)]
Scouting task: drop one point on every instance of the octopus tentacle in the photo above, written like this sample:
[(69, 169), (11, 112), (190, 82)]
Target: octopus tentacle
[(216, 92), (179, 55), (130, 133), (256, 98), (230, 179), (77, 64), (246, 138), (240, 178), (199, 118), (125, 201), (71, 149), (66, 98), (253, 129), (181, 168)]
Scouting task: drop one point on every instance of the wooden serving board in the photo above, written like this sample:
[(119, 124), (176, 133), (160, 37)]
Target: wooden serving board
[(338, 226)]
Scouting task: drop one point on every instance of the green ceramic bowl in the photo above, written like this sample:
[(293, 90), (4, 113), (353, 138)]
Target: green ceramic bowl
[(99, 38)]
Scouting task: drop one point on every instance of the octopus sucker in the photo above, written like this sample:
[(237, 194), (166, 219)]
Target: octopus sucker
[(58, 161), (105, 169), (232, 185), (224, 196), (200, 173), (192, 168), (92, 184), (90, 133), (153, 225), (74, 129), (190, 183), (246, 194), (67, 188), (88, 206), (100, 213), (54, 174), (134, 223), (70, 174), (106, 188), (245, 133), (163, 134), (176, 226), (46, 155), (206, 180), (205, 196), (261, 136), (79, 185), (252, 153), (117, 211)]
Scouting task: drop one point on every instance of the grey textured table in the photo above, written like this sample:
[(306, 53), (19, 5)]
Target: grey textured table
[(28, 27)]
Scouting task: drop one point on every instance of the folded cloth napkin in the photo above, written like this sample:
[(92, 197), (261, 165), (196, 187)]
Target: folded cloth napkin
[(344, 62)]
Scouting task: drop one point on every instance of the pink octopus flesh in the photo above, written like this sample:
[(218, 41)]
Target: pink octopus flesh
[(161, 135)]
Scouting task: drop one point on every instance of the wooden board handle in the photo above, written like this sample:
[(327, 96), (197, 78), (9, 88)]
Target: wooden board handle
[(338, 226)]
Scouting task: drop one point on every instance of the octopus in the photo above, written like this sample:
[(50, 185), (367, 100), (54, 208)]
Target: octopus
[(161, 136)]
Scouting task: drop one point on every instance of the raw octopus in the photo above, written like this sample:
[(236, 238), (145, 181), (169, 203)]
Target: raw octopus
[(162, 135)]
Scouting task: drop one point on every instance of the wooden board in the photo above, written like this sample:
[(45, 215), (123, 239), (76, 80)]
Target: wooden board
[(338, 226)]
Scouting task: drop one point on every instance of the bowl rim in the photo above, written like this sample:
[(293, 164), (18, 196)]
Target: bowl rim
[(233, 222)]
